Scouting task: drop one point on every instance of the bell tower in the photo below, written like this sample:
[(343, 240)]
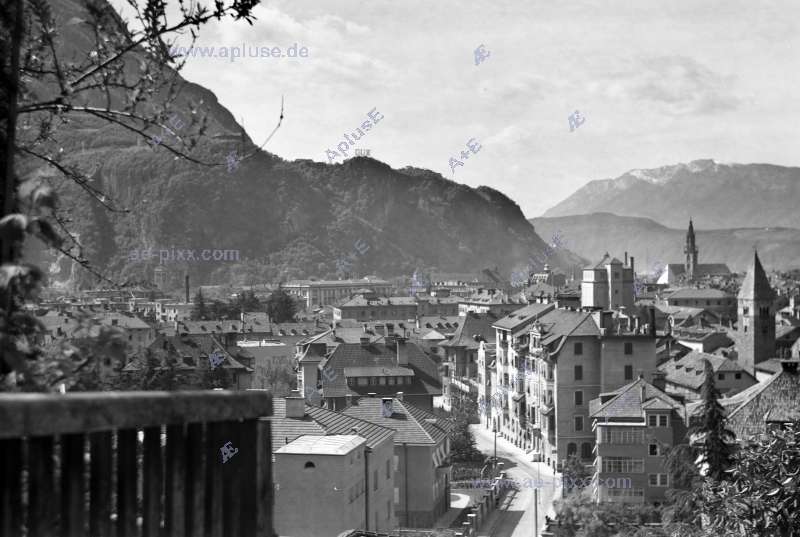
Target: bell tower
[(691, 253), (756, 317)]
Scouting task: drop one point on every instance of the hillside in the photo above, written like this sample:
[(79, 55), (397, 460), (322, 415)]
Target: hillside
[(592, 235), (715, 195), (286, 219)]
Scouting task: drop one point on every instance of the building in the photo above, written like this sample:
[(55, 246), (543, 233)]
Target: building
[(371, 472), (691, 270), (634, 426), (421, 457), (385, 368), (368, 306), (318, 293), (608, 284), (756, 310), (714, 300), (685, 376), (490, 300), (549, 363)]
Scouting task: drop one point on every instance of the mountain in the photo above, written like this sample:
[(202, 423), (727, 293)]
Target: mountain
[(714, 195), (286, 219), (591, 235)]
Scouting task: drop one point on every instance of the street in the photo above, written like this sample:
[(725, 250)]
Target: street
[(516, 520)]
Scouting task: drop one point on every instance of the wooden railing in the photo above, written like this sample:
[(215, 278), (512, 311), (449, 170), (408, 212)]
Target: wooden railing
[(125, 464)]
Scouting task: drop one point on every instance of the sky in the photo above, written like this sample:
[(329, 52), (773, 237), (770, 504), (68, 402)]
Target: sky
[(656, 82)]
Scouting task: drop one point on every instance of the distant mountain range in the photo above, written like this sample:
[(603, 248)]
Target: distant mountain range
[(591, 235), (714, 195), (286, 219)]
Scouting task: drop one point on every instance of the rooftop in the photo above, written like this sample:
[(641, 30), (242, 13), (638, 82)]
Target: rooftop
[(323, 445)]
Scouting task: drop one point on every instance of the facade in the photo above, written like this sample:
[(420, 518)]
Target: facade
[(685, 376), (756, 325), (549, 363), (370, 307), (422, 470), (714, 300), (691, 270), (319, 293), (489, 300), (372, 507), (634, 426), (608, 285)]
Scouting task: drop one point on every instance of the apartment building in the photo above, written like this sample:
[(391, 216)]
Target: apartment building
[(319, 293), (549, 363), (685, 376), (634, 426), (608, 284)]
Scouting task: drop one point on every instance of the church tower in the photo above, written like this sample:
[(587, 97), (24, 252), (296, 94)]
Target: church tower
[(691, 253), (756, 317)]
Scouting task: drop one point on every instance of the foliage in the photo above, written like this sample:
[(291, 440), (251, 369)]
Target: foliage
[(281, 307), (760, 496), (463, 447), (276, 374), (47, 85), (712, 437), (200, 312), (580, 516), (575, 471)]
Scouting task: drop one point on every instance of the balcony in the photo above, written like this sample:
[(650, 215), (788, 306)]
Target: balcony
[(177, 484)]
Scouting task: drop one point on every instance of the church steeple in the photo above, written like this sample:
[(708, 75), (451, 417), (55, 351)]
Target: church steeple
[(756, 317), (691, 253)]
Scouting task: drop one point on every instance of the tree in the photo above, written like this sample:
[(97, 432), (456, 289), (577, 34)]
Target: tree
[(713, 439), (463, 447), (574, 474), (761, 493), (44, 86), (200, 311), (281, 307), (580, 516)]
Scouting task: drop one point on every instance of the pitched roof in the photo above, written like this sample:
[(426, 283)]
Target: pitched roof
[(413, 425), (705, 294), (361, 301), (522, 316), (629, 402), (689, 370), (755, 284), (474, 324), (322, 445), (380, 355)]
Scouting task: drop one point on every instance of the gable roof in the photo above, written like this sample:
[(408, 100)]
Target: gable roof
[(474, 324), (630, 403), (689, 371), (523, 316), (412, 424)]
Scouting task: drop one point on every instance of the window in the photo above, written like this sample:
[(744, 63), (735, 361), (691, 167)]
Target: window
[(578, 349), (628, 372), (622, 435), (578, 423), (362, 381), (622, 465), (578, 372), (388, 469), (721, 376), (628, 348), (625, 493), (746, 310), (391, 381), (309, 464), (657, 480), (578, 398), (662, 421), (572, 449), (586, 450), (737, 376), (652, 449)]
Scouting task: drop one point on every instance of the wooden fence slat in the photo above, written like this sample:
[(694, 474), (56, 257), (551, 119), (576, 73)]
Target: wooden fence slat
[(153, 480), (265, 499), (215, 439), (195, 480), (73, 490), (126, 483), (100, 484), (11, 487), (177, 485), (41, 487), (248, 506)]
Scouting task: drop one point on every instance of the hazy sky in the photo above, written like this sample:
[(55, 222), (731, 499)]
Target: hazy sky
[(658, 83)]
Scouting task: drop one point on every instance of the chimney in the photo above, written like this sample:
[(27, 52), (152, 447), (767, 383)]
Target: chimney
[(402, 353), (659, 380), (295, 405), (642, 390), (186, 286), (626, 259), (632, 267), (399, 396)]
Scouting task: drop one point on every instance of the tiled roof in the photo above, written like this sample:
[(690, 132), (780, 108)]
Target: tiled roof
[(360, 301), (412, 424), (756, 284), (441, 322), (561, 322), (377, 371), (341, 423), (698, 294), (425, 380), (285, 430), (630, 404), (474, 324), (334, 283), (689, 370), (525, 315)]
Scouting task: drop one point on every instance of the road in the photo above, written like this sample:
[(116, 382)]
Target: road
[(517, 519)]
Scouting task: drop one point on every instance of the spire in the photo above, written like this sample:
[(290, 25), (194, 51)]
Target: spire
[(756, 285)]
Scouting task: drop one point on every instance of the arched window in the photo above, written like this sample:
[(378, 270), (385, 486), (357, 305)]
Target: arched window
[(572, 449), (310, 464), (586, 450)]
